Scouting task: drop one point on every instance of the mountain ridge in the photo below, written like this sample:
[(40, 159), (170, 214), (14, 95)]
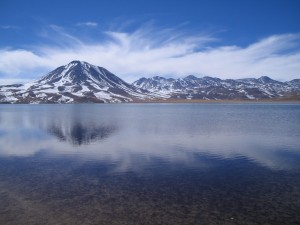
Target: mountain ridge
[(191, 87), (81, 82)]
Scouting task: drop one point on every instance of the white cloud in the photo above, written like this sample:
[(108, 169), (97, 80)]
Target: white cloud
[(88, 24), (148, 52)]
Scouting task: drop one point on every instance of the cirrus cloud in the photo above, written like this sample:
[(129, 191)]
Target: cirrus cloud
[(88, 24), (166, 52)]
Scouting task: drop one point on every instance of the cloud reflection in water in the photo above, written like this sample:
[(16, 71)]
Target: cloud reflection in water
[(132, 137)]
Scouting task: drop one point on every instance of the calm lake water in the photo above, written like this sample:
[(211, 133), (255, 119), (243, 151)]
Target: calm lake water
[(150, 164)]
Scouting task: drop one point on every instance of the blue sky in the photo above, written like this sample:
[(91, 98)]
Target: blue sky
[(226, 39)]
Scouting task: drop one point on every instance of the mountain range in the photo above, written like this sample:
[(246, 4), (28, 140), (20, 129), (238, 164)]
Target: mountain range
[(81, 82)]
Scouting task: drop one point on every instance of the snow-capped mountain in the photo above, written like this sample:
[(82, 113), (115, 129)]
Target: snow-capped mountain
[(82, 82), (76, 82), (192, 87)]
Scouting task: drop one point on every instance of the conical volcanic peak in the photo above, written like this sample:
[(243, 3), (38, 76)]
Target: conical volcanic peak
[(78, 81)]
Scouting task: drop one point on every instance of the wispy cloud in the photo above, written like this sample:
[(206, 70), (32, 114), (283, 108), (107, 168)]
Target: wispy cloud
[(148, 52), (88, 24), (8, 27)]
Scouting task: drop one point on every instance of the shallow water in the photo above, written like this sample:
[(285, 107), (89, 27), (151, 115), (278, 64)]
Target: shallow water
[(150, 164)]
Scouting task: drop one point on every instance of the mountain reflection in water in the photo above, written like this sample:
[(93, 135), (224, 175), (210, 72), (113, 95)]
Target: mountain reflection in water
[(79, 134)]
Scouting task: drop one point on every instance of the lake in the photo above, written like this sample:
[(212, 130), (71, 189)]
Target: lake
[(150, 164)]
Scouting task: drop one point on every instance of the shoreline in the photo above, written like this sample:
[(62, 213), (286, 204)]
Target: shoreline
[(181, 101), (288, 99), (297, 101)]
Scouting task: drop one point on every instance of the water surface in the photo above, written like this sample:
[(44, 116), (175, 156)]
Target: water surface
[(150, 164)]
